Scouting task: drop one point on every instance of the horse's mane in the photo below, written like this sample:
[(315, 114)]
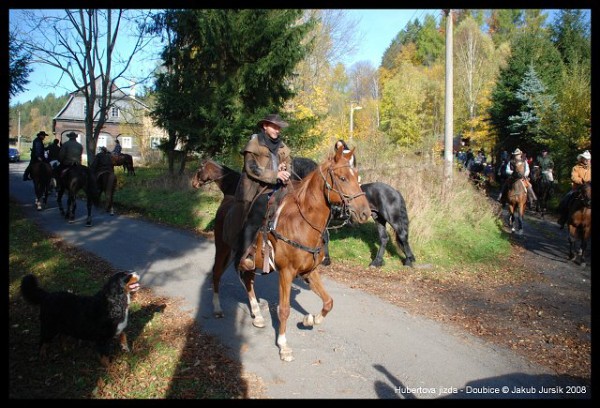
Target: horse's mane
[(300, 193), (226, 169)]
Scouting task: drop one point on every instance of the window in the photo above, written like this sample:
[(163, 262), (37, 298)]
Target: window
[(114, 112), (154, 142), (102, 141), (126, 142)]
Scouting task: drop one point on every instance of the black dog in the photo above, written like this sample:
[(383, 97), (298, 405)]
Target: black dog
[(98, 318)]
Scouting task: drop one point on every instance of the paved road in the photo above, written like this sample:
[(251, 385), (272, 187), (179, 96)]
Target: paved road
[(366, 348)]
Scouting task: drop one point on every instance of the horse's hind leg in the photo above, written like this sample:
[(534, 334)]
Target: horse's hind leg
[(402, 240), (88, 221)]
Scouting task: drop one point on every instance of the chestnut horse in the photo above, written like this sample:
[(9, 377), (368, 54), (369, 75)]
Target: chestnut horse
[(293, 241), (387, 203), (579, 221), (517, 199), (125, 160)]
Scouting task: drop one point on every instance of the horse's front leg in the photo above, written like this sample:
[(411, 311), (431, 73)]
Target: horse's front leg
[(283, 313), (247, 278), (383, 240), (316, 285), (221, 260)]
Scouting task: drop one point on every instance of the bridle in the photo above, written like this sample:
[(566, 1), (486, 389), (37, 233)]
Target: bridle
[(329, 187)]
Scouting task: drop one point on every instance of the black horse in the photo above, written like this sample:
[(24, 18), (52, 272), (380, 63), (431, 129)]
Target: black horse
[(387, 207), (41, 175), (543, 187), (74, 179)]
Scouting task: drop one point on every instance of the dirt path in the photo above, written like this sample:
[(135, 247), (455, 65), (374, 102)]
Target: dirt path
[(540, 306)]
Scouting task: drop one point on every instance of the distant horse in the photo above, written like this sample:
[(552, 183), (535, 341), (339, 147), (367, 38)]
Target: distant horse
[(543, 187), (125, 160), (387, 204), (106, 182), (517, 199), (41, 175), (73, 180), (579, 221), (293, 242)]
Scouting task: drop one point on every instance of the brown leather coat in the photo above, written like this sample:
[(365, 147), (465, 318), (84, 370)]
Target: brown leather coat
[(581, 174), (260, 169)]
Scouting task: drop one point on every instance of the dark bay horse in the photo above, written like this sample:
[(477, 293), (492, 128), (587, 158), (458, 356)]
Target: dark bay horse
[(517, 198), (41, 175), (73, 180), (387, 204), (543, 187), (106, 181), (125, 160), (579, 221), (293, 241)]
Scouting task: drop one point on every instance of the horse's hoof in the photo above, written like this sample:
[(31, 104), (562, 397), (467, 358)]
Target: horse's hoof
[(520, 232), (259, 322), (286, 354), (309, 320), (376, 264), (88, 224), (219, 315), (326, 262)]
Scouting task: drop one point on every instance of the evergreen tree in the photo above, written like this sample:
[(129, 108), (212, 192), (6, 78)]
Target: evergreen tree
[(527, 49), (225, 69), (18, 67), (571, 35), (536, 113)]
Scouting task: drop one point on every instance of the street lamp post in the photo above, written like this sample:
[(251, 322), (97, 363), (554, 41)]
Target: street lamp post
[(352, 109)]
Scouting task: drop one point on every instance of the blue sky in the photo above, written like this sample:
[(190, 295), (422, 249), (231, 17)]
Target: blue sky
[(376, 30)]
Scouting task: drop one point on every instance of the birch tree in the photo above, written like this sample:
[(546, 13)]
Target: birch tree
[(82, 45)]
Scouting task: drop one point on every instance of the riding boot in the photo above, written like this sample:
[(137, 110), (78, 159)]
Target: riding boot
[(246, 250)]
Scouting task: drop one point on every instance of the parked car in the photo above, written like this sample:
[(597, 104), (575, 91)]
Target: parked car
[(13, 155)]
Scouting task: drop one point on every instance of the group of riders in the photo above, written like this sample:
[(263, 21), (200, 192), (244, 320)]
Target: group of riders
[(66, 155), (581, 173)]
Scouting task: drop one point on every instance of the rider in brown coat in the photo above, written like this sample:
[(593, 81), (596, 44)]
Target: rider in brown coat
[(267, 166)]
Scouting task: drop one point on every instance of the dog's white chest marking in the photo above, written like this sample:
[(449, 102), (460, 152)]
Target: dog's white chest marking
[(123, 324)]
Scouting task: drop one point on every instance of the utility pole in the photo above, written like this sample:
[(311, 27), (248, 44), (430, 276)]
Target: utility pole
[(19, 132), (449, 114)]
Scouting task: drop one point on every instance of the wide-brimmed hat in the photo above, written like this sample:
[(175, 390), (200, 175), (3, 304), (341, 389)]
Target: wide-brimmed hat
[(517, 151), (585, 155), (72, 135), (274, 119), (42, 133)]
